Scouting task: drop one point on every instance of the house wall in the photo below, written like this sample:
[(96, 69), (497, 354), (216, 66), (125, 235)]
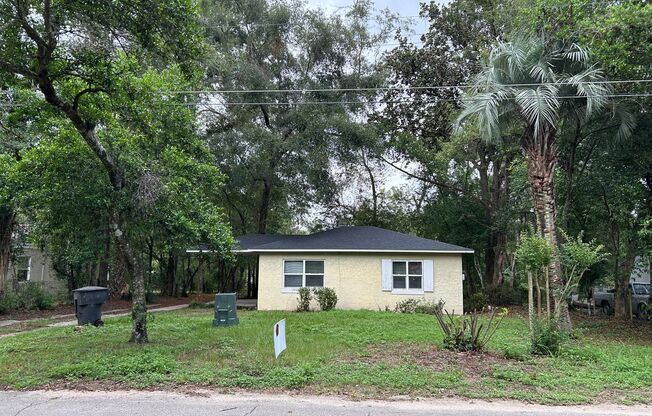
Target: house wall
[(41, 270), (357, 280)]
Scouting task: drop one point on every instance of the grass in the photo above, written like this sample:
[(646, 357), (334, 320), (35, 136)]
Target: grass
[(358, 353)]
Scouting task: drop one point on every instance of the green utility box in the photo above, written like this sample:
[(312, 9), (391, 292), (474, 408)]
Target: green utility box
[(225, 310)]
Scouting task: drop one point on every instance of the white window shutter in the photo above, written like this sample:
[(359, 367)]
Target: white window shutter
[(428, 276), (386, 274)]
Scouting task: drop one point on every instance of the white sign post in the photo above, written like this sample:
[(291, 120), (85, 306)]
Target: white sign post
[(279, 337)]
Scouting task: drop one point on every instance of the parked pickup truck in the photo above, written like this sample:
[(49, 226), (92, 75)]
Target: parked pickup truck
[(640, 299)]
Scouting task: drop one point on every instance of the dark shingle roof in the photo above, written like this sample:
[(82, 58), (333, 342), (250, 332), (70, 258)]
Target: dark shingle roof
[(369, 239)]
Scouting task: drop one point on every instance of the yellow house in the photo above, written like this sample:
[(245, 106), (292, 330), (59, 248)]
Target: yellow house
[(368, 267)]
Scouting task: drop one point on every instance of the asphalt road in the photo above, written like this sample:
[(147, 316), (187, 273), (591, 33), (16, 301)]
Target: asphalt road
[(69, 403)]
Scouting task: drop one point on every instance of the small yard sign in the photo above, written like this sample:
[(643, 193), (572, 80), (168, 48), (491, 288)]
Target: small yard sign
[(279, 337)]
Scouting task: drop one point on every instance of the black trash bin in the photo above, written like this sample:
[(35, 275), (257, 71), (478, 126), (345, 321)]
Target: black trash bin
[(88, 304)]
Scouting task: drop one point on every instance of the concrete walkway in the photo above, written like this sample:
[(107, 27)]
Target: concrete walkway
[(205, 403)]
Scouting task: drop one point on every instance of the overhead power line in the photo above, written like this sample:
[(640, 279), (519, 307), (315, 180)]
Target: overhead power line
[(359, 102), (401, 88), (425, 101)]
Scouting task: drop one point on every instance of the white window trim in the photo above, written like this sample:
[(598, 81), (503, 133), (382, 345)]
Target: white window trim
[(285, 289), (29, 269), (407, 291)]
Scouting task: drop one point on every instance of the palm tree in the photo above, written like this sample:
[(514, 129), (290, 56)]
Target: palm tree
[(532, 87)]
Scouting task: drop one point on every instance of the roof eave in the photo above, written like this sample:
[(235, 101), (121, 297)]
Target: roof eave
[(304, 250)]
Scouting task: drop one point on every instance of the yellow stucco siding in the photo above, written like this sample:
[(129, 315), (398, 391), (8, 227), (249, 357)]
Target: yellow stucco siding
[(356, 277)]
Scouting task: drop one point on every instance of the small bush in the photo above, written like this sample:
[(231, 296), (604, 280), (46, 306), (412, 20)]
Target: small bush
[(547, 338), (9, 301), (418, 306), (466, 332), (407, 306), (29, 296), (428, 307), (303, 302), (477, 302), (326, 297), (195, 304)]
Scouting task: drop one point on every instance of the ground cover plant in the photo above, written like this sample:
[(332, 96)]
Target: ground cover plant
[(357, 353)]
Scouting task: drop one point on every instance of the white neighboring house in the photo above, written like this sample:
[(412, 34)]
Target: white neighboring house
[(32, 265), (641, 270)]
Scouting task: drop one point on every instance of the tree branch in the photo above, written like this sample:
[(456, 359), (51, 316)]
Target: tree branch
[(75, 103), (15, 69), (433, 181)]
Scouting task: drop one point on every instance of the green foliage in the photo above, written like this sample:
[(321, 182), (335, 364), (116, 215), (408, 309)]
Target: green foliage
[(478, 301), (533, 252), (195, 304), (407, 305), (467, 332), (303, 301), (577, 257), (326, 298), (28, 296), (423, 306), (547, 337)]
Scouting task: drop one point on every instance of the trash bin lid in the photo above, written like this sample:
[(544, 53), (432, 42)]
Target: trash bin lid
[(90, 289)]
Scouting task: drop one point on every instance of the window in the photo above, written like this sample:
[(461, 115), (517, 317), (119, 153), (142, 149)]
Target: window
[(407, 275), (641, 289), (23, 266), (303, 273)]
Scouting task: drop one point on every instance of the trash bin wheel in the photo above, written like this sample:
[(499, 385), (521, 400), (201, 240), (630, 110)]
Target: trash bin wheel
[(99, 322)]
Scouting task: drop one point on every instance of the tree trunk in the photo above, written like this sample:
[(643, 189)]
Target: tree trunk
[(541, 159), (538, 289), (530, 301), (623, 275), (547, 293), (7, 223), (117, 282), (264, 205), (135, 270), (170, 274), (495, 251)]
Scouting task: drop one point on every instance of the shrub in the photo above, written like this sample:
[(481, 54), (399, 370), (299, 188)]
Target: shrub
[(428, 307), (29, 296), (195, 304), (547, 338), (326, 297), (466, 332), (305, 296), (406, 306), (477, 302), (9, 301), (35, 297), (418, 306)]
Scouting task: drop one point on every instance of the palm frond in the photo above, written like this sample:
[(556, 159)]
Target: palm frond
[(485, 107), (627, 122), (542, 70), (589, 83), (539, 106), (510, 57), (576, 53)]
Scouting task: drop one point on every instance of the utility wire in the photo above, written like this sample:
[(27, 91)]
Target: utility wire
[(406, 101), (403, 88), (425, 101)]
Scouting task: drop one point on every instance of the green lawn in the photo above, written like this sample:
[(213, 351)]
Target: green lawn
[(358, 353)]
